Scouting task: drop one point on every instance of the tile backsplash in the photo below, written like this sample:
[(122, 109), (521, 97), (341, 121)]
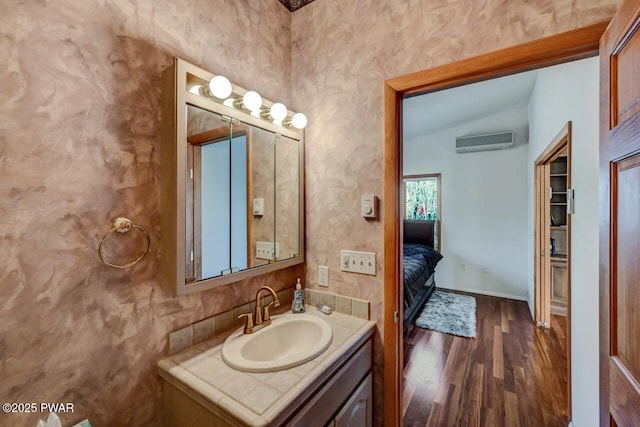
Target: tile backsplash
[(204, 329), (342, 304)]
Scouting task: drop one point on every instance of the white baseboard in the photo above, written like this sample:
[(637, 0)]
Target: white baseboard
[(483, 292)]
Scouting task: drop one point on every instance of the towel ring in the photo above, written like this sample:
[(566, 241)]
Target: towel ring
[(123, 225)]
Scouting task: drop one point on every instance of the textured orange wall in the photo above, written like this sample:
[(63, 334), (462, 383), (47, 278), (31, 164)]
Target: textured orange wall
[(342, 53), (79, 145)]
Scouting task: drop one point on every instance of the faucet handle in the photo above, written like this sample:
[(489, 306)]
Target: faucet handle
[(274, 302), (248, 325), (266, 311)]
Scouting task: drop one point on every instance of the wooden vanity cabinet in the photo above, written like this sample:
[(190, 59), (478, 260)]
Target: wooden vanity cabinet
[(559, 285), (357, 411), (341, 397), (346, 397)]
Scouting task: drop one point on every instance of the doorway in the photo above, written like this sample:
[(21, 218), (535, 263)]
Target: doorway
[(552, 241), (576, 44)]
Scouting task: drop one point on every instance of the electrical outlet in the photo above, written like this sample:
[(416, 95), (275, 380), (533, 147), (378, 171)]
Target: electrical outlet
[(323, 275), (484, 269), (358, 262)]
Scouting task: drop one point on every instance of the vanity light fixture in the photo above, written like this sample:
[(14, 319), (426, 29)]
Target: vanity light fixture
[(299, 121), (221, 91), (277, 113), (200, 90), (251, 101), (220, 87)]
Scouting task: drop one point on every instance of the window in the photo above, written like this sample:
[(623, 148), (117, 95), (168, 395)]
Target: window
[(422, 200), (422, 197)]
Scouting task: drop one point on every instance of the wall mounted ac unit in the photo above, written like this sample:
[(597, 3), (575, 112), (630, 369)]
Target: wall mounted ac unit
[(491, 141)]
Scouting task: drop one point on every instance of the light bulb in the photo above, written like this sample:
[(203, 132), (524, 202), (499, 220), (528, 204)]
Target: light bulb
[(252, 100), (220, 87), (196, 89), (299, 120), (278, 111)]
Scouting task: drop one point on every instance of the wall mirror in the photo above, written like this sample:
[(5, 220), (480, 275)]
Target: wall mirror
[(232, 196)]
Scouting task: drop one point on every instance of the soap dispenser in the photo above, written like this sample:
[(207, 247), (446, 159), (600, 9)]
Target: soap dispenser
[(297, 306)]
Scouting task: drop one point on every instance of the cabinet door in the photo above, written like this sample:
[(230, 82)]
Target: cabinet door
[(559, 285), (358, 410), (559, 282)]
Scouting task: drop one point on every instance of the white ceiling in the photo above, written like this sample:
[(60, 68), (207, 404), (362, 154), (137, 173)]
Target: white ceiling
[(437, 111)]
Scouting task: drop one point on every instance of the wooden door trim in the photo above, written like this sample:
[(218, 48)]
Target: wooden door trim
[(542, 264), (564, 47)]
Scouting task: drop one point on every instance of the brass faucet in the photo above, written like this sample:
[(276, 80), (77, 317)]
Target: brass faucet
[(262, 318)]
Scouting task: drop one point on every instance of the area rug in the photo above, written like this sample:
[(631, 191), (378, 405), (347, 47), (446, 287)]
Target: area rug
[(449, 313)]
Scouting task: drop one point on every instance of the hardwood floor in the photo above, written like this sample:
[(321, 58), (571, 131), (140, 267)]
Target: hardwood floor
[(512, 374)]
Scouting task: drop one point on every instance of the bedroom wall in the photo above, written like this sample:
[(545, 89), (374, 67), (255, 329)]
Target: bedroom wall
[(549, 111), (484, 206)]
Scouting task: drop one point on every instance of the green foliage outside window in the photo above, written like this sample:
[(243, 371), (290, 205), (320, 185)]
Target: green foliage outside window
[(422, 199)]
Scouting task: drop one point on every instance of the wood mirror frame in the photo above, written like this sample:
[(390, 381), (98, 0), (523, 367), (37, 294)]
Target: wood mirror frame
[(176, 82)]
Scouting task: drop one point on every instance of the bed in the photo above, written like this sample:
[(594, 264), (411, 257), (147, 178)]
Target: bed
[(419, 264)]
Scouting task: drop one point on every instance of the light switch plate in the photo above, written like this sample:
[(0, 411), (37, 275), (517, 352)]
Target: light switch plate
[(323, 275), (267, 250), (358, 262), (258, 207)]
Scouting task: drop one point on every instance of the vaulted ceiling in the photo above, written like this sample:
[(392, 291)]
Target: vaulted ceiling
[(294, 5), (482, 101)]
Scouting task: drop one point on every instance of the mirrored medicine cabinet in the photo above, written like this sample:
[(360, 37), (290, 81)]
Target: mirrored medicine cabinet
[(232, 187)]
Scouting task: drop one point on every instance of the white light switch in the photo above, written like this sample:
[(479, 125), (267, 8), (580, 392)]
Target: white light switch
[(323, 275), (267, 250), (258, 207), (368, 206), (358, 262)]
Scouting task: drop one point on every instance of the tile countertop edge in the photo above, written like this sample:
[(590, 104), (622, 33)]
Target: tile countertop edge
[(321, 374), (220, 403), (208, 396)]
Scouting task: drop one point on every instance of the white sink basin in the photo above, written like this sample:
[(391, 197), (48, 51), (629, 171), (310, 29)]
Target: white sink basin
[(290, 340)]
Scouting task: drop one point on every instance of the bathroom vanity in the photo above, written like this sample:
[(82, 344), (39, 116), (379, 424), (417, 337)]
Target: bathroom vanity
[(335, 388)]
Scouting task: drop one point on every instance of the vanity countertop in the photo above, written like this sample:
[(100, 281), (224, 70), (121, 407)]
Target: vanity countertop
[(257, 399)]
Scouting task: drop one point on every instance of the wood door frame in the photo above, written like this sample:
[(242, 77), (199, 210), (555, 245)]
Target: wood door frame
[(542, 293), (541, 223), (564, 47)]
